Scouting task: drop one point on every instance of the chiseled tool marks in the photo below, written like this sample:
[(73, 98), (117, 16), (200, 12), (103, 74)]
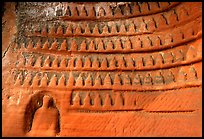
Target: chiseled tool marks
[(180, 55), (131, 124), (177, 77), (178, 100)]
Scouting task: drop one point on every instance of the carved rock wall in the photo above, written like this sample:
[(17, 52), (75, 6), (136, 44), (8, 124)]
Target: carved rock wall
[(102, 69)]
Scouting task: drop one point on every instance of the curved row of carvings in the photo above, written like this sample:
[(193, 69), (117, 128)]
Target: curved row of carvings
[(154, 80), (108, 11), (85, 100), (134, 26), (182, 100), (184, 54), (116, 44)]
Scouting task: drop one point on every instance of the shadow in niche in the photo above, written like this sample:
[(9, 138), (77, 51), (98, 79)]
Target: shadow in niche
[(40, 113)]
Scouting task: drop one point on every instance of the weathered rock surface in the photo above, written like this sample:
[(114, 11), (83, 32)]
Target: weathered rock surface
[(102, 69)]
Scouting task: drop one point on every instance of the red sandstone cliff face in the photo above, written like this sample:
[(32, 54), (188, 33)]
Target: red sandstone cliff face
[(102, 69)]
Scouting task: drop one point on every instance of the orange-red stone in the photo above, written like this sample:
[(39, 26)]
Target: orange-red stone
[(102, 69)]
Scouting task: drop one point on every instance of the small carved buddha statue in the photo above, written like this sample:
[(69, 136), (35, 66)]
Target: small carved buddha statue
[(45, 120)]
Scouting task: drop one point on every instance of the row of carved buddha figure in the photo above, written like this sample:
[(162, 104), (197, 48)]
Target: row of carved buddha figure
[(138, 80), (167, 58), (106, 10), (147, 40), (130, 26)]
